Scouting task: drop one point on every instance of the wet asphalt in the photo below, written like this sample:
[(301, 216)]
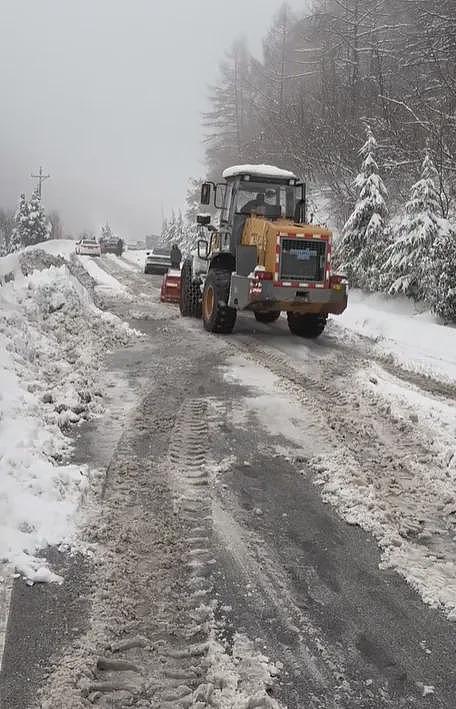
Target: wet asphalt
[(291, 574)]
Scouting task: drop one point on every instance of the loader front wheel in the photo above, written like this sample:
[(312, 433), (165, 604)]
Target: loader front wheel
[(217, 316), (190, 297), (310, 326), (268, 317)]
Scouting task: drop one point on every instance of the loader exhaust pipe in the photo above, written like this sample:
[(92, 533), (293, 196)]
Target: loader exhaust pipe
[(300, 215)]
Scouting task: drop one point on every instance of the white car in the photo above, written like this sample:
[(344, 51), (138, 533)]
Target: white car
[(88, 247)]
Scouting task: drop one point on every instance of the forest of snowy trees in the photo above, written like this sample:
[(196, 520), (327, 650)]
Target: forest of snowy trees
[(328, 76)]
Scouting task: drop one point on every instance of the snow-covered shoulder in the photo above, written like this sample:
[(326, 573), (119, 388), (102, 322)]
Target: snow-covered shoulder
[(417, 340), (259, 170)]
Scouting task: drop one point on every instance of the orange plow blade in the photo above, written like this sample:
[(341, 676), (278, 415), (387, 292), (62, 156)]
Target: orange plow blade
[(170, 287)]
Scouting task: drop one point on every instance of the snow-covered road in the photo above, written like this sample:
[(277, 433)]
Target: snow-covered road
[(222, 576)]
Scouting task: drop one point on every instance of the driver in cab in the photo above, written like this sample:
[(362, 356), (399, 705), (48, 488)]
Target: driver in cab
[(263, 204), (253, 205)]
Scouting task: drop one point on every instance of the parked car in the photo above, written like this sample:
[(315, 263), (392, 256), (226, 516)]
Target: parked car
[(88, 247), (158, 260)]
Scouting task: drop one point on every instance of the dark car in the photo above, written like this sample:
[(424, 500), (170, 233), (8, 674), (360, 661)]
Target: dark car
[(158, 260)]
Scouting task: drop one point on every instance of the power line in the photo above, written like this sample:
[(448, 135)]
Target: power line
[(41, 178)]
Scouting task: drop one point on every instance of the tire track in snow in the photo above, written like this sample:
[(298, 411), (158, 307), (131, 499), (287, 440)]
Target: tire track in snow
[(6, 587), (198, 669)]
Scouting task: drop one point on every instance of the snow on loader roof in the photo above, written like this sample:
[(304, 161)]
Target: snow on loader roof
[(258, 170)]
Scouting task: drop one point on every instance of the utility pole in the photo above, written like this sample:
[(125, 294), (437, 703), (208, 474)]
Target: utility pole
[(41, 178)]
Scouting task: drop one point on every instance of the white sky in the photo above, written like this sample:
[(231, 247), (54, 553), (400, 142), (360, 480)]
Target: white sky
[(108, 96)]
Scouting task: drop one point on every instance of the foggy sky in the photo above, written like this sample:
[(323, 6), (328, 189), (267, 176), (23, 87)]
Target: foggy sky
[(107, 95)]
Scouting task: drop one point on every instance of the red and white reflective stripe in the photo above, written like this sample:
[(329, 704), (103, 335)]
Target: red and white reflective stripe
[(277, 260), (328, 260), (295, 284)]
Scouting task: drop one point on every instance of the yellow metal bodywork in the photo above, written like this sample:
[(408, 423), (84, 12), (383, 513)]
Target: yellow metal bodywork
[(263, 234)]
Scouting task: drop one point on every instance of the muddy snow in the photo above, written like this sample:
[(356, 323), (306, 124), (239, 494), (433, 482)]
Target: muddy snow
[(52, 338)]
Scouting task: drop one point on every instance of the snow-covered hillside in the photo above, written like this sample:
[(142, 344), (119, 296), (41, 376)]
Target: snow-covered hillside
[(52, 338)]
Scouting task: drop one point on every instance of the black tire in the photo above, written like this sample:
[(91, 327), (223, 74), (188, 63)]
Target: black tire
[(268, 317), (310, 326), (217, 316), (190, 295)]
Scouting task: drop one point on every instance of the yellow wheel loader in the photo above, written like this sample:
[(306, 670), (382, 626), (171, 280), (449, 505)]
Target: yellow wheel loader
[(263, 257)]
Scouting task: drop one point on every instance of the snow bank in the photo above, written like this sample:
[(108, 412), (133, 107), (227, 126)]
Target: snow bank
[(415, 339), (51, 339), (138, 258), (54, 247), (103, 279)]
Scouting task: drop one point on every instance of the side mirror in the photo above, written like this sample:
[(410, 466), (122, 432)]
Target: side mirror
[(203, 249), (206, 193), (203, 219)]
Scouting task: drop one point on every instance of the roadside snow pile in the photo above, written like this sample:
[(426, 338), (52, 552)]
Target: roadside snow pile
[(52, 338), (103, 280), (415, 340), (137, 258)]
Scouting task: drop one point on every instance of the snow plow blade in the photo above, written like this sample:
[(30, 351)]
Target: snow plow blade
[(171, 287)]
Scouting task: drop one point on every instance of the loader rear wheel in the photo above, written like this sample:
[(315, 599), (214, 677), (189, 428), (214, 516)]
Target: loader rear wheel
[(190, 296), (310, 326), (268, 317), (217, 316)]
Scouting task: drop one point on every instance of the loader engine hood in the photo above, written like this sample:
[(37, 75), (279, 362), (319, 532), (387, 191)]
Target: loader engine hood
[(293, 253)]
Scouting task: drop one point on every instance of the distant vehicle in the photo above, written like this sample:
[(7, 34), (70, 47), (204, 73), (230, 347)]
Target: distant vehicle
[(158, 260), (136, 246), (88, 247), (113, 245)]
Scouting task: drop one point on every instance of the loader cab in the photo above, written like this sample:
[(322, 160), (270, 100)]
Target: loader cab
[(250, 190), (261, 190)]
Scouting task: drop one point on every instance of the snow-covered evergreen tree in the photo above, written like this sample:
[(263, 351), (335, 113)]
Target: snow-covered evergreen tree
[(362, 242), (106, 232), (38, 227), (172, 229), (408, 263), (442, 288), (21, 232), (178, 231)]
